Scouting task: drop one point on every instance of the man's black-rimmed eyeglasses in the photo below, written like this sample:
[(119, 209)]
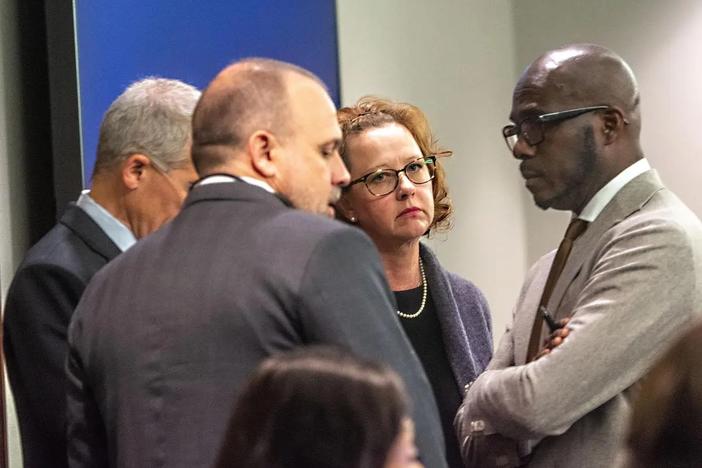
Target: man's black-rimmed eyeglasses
[(532, 128), (384, 181)]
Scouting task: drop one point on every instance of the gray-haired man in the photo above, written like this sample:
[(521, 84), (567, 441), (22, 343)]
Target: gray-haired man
[(141, 176)]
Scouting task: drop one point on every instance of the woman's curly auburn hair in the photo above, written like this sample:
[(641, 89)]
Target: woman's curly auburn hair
[(373, 112)]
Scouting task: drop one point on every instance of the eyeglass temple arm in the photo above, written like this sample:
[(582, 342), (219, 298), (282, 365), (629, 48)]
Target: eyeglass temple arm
[(571, 113)]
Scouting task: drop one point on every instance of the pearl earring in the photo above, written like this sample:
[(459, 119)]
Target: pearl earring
[(352, 219)]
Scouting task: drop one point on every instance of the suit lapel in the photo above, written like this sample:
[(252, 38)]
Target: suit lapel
[(85, 228), (628, 200)]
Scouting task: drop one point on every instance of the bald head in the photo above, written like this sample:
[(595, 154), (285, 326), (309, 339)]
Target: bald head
[(577, 124), (579, 75), (247, 96)]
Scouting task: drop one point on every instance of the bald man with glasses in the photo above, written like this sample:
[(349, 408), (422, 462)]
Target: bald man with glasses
[(626, 278)]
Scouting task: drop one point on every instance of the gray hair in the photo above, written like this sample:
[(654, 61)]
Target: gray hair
[(151, 117)]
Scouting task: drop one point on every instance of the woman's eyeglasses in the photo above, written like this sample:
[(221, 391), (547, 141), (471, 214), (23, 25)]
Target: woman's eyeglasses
[(384, 181)]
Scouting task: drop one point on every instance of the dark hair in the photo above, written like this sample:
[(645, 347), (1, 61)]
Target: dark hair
[(249, 95), (666, 426), (315, 407), (373, 112)]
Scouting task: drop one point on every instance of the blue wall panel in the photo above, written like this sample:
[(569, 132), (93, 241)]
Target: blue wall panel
[(122, 41)]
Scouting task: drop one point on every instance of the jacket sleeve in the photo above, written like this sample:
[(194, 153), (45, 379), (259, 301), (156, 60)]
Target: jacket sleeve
[(640, 293), (40, 303), (346, 302)]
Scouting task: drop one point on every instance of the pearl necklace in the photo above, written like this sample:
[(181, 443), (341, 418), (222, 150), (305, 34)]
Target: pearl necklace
[(424, 295)]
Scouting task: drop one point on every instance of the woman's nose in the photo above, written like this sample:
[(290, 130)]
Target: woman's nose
[(405, 187)]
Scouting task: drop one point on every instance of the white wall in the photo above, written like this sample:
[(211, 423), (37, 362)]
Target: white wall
[(13, 209), (454, 59), (661, 41)]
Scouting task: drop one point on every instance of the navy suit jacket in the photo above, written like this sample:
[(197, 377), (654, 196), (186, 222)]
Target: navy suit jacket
[(166, 335), (40, 302)]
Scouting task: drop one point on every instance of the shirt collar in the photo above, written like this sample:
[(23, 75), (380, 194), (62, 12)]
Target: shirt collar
[(595, 206), (221, 178), (114, 228)]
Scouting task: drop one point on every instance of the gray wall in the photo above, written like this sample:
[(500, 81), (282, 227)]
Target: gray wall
[(13, 209), (14, 223)]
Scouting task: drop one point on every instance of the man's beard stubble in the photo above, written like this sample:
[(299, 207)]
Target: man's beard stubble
[(578, 183)]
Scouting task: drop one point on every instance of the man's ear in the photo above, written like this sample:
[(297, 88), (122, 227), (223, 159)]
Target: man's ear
[(133, 170), (613, 124), (264, 149)]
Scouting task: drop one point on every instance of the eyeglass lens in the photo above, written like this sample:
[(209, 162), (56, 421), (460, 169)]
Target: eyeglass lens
[(530, 130)]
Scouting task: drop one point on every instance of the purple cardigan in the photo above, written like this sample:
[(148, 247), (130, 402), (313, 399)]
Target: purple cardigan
[(464, 318)]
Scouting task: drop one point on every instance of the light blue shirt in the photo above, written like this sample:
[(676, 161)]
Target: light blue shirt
[(595, 206), (114, 228)]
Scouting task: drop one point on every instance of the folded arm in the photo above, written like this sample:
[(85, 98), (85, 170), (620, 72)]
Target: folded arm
[(639, 295)]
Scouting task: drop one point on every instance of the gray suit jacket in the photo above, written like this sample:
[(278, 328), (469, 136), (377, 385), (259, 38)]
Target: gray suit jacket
[(163, 339), (632, 282)]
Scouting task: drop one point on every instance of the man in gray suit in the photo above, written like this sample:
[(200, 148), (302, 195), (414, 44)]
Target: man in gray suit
[(165, 336), (632, 280)]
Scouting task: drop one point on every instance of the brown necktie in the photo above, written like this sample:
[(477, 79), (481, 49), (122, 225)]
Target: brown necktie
[(575, 228)]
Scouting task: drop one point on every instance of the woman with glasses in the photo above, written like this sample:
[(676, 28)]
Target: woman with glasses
[(398, 194)]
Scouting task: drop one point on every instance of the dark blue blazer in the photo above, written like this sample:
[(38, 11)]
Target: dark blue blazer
[(40, 302)]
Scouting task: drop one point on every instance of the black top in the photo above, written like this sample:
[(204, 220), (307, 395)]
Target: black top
[(424, 332)]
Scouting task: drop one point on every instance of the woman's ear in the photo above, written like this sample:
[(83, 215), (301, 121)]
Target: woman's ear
[(345, 209), (133, 170), (264, 148)]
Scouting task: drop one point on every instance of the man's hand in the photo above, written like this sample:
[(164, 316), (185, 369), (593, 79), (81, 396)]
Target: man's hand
[(555, 339)]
